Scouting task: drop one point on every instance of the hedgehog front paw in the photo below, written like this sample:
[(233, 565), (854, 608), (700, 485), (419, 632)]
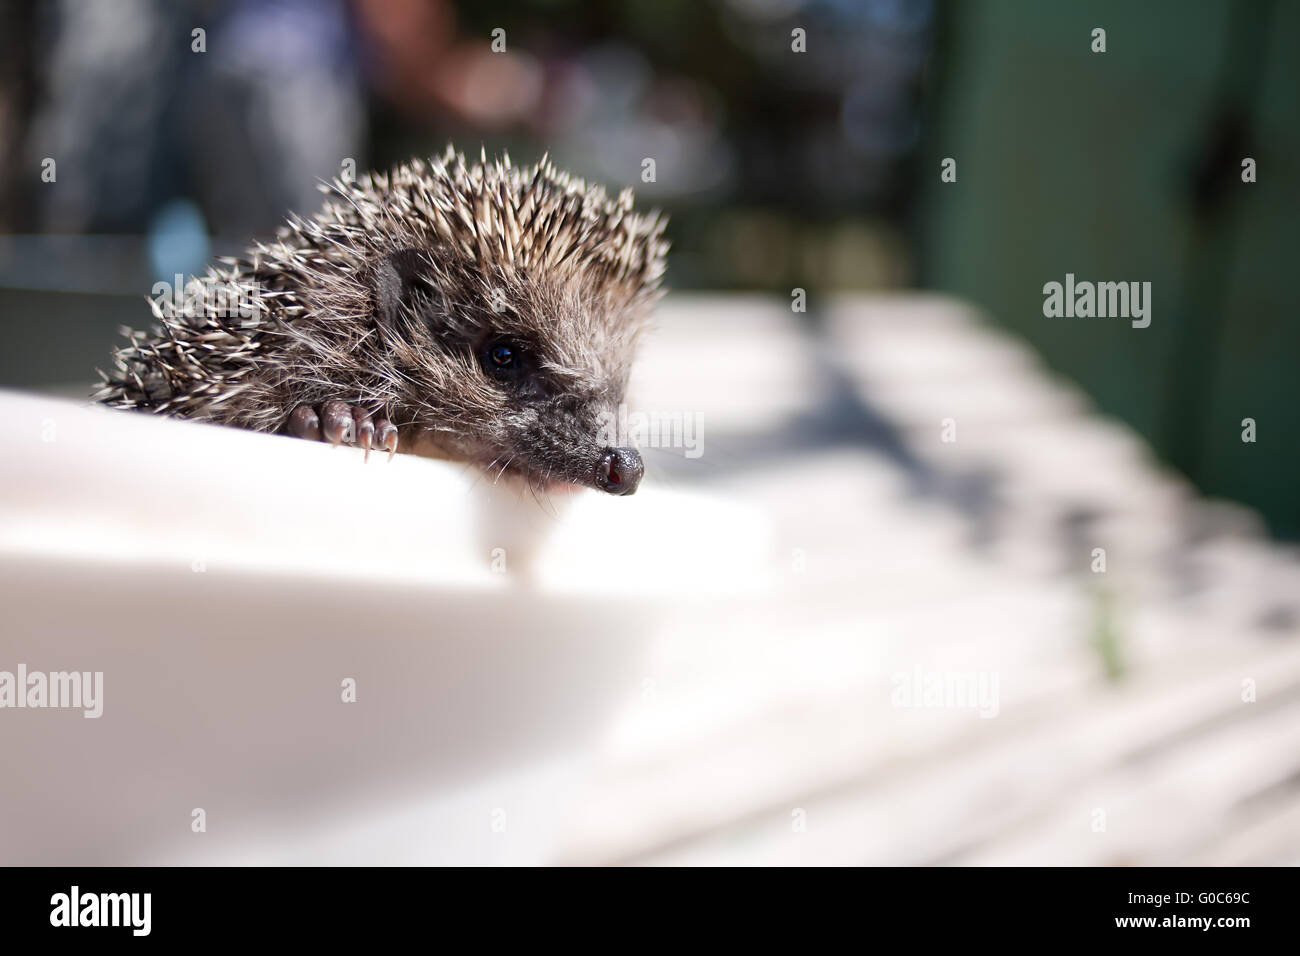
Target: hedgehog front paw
[(342, 424)]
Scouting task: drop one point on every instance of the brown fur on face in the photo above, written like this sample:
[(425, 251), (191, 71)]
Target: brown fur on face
[(393, 297)]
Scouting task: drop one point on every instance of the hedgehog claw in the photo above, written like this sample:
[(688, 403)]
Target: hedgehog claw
[(364, 429), (337, 424), (342, 424), (305, 423), (386, 436)]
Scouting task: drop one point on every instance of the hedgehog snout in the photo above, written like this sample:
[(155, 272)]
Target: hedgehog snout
[(619, 471)]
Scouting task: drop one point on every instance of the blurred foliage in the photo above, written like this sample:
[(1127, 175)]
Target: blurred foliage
[(778, 167)]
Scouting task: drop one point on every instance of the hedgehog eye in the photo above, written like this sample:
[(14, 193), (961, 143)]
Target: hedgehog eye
[(502, 355), (504, 359)]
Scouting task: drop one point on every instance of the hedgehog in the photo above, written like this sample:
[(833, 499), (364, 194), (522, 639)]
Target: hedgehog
[(478, 312)]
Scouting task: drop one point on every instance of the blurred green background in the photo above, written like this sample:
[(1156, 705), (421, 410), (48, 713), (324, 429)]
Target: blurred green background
[(1127, 166), (780, 169)]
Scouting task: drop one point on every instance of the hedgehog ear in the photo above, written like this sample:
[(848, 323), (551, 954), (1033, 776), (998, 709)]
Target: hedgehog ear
[(393, 282)]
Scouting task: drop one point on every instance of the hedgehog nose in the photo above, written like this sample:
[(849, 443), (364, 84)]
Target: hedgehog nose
[(619, 471)]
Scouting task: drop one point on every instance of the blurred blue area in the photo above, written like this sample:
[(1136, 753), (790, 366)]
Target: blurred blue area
[(178, 241)]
